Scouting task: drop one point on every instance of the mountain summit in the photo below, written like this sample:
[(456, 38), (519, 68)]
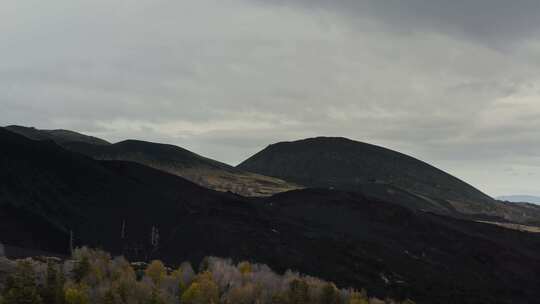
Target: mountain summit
[(341, 163)]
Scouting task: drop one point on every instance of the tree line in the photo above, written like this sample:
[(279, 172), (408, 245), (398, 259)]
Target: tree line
[(94, 277)]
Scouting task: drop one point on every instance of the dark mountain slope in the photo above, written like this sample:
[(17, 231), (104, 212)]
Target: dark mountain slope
[(345, 164), (406, 248), (172, 159), (73, 192), (18, 227), (181, 162), (346, 237), (59, 136)]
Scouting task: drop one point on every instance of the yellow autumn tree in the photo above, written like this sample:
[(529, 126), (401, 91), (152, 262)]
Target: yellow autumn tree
[(358, 298), (245, 294), (76, 294), (329, 294), (245, 267), (156, 271), (203, 290)]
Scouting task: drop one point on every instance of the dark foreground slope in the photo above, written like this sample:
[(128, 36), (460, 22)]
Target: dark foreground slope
[(72, 192), (339, 236), (169, 158), (345, 164)]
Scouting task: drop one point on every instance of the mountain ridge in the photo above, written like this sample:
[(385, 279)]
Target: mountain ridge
[(342, 163), (56, 135), (169, 158)]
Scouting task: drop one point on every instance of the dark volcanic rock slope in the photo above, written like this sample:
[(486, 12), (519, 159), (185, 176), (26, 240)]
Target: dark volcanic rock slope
[(46, 191), (345, 164), (69, 191)]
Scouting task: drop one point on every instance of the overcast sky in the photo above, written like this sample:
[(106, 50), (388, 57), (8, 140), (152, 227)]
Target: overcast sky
[(454, 83)]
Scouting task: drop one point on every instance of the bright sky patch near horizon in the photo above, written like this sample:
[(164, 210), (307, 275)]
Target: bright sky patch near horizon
[(454, 83)]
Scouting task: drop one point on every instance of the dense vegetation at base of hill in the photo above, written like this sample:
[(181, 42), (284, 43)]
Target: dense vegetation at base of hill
[(92, 276)]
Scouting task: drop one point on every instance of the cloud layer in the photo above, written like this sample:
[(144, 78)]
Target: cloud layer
[(455, 83)]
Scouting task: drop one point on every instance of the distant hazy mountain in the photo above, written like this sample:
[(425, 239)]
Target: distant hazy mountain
[(520, 199), (345, 164), (169, 158), (47, 191)]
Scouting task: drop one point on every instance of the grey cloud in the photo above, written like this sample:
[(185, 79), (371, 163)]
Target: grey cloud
[(492, 21), (226, 79)]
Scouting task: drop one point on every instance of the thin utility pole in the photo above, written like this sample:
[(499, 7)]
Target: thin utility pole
[(123, 231), (71, 242)]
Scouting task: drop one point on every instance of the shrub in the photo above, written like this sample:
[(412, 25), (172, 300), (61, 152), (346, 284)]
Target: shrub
[(298, 292), (184, 274), (93, 277), (244, 268), (21, 286), (246, 294), (121, 270), (358, 298), (204, 265), (53, 291), (76, 294), (81, 269), (155, 298), (156, 271), (279, 298), (329, 294), (202, 291)]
